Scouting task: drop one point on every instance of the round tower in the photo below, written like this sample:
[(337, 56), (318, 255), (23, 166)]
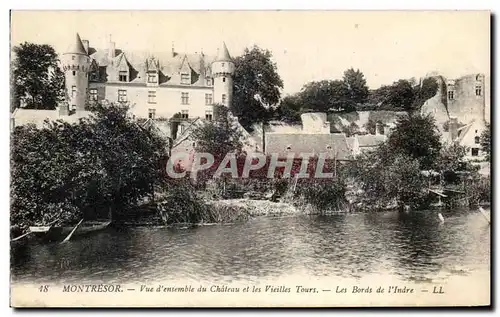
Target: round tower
[(222, 73), (76, 63)]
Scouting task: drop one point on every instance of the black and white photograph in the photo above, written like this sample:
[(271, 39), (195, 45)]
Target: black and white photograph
[(250, 158)]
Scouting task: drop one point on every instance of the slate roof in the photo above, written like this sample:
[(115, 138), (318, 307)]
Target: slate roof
[(330, 144), (370, 140), (77, 46), (168, 64), (223, 55)]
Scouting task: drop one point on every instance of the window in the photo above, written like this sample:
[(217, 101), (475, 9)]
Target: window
[(185, 98), (184, 114), (479, 91), (93, 76), (152, 78), (74, 73), (73, 57), (122, 96), (151, 113), (209, 115), (451, 94), (73, 91), (122, 76), (328, 147), (93, 94), (223, 79), (475, 152), (208, 81), (151, 96), (208, 99), (288, 148), (223, 64), (477, 140), (185, 80), (223, 99)]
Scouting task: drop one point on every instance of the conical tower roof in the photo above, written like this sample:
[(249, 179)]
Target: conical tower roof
[(77, 46), (223, 55)]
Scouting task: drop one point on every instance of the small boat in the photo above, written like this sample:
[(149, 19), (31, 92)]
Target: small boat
[(58, 233)]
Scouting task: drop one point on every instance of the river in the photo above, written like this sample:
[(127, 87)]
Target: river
[(413, 247)]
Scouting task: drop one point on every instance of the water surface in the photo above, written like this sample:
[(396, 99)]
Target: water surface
[(414, 247)]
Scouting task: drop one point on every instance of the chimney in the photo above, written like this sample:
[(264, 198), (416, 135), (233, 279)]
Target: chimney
[(453, 128), (111, 50), (86, 45), (64, 109)]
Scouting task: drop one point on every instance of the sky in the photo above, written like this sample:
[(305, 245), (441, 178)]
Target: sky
[(306, 45)]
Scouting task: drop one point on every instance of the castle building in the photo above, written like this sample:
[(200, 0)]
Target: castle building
[(461, 108), (152, 85)]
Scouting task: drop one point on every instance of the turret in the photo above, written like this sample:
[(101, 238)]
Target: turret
[(76, 64), (222, 73)]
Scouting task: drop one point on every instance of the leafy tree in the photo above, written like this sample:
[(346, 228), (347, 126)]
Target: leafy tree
[(218, 137), (326, 95), (486, 141), (416, 135), (355, 82), (257, 86), (68, 171), (404, 94), (426, 90), (289, 109), (404, 181), (38, 80)]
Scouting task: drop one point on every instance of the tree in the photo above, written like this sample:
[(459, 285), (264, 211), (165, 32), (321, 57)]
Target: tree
[(416, 135), (257, 86), (325, 96), (68, 171), (404, 94), (486, 141), (289, 109), (218, 137), (355, 83), (38, 80), (424, 91)]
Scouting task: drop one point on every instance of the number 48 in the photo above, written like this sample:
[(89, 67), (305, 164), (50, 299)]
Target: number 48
[(43, 288)]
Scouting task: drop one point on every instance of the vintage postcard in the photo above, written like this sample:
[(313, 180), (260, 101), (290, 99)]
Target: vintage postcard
[(250, 159)]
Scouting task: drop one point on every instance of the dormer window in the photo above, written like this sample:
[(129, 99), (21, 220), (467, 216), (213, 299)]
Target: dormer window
[(328, 147), (289, 148), (152, 78), (185, 79), (122, 76)]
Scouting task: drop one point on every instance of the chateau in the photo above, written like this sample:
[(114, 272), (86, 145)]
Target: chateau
[(163, 84), (461, 108), (153, 85)]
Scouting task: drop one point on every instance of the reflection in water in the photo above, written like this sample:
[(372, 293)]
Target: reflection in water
[(410, 246)]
